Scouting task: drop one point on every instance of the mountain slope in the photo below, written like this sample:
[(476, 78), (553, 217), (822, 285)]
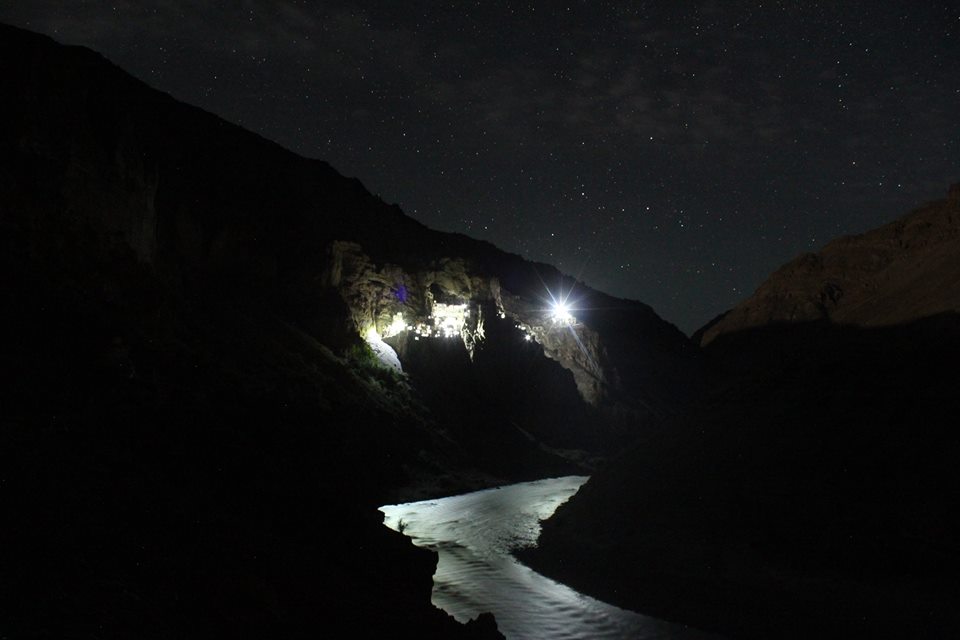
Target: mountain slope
[(902, 271), (197, 433), (214, 211)]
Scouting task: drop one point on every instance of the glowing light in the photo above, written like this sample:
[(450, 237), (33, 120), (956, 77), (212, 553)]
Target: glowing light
[(561, 313), (448, 319), (560, 310), (396, 326)]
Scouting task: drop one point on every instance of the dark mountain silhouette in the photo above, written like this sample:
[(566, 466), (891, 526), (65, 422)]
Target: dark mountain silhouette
[(813, 492), (195, 433)]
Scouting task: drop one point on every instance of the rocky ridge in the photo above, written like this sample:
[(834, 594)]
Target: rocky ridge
[(897, 273)]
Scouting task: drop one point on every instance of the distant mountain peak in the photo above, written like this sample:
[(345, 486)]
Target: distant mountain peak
[(900, 272)]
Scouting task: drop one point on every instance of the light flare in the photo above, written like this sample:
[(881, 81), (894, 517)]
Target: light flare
[(560, 312)]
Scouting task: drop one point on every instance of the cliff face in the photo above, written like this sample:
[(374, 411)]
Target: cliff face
[(812, 492), (100, 168), (449, 299), (903, 271), (189, 392)]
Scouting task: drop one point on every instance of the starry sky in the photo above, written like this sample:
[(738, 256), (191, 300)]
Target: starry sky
[(672, 152)]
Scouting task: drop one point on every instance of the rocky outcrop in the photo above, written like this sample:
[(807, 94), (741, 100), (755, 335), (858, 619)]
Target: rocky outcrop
[(903, 271), (450, 298), (576, 346), (440, 300)]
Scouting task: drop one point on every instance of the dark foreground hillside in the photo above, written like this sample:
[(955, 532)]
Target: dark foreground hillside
[(195, 432), (179, 460), (813, 493), (204, 473)]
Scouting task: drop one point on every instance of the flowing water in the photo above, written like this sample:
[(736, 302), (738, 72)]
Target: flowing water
[(474, 534)]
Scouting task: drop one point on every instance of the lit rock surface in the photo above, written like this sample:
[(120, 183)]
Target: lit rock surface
[(449, 299)]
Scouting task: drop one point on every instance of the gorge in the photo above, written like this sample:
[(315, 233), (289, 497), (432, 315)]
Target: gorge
[(221, 358), (187, 368)]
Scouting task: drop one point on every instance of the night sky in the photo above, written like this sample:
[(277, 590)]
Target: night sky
[(662, 151)]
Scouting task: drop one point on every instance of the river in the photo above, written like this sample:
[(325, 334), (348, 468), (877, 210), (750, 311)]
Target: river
[(474, 534)]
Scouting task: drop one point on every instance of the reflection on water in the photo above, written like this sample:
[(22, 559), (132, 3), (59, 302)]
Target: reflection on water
[(474, 533)]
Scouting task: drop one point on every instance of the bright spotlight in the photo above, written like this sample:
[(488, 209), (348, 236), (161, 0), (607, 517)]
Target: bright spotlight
[(561, 313)]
